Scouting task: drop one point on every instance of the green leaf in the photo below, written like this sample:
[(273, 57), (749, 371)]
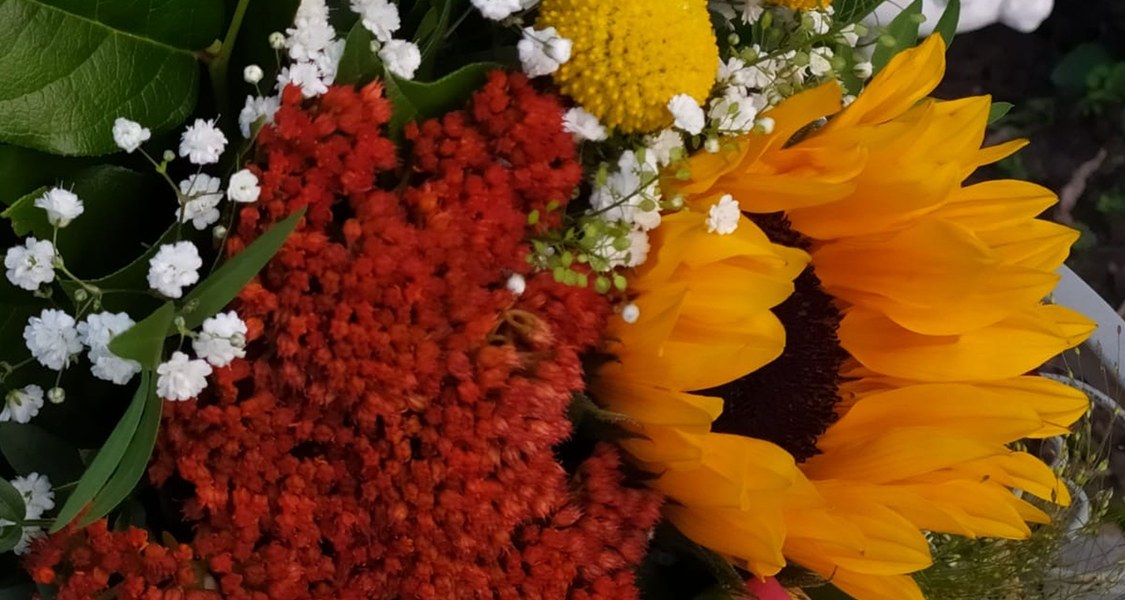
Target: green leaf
[(30, 449), (26, 218), (133, 462), (904, 30), (358, 65), (70, 67), (24, 169), (227, 281), (9, 537), (415, 101), (998, 111), (947, 24), (1071, 73), (12, 507), (108, 458), (144, 342), (853, 11)]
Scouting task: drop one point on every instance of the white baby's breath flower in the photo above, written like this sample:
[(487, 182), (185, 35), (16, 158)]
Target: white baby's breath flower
[(56, 395), (222, 339), (631, 193), (62, 206), (306, 76), (497, 9), (583, 125), (96, 332), (765, 125), (52, 338), (30, 265), (723, 216), (174, 267), (401, 58), (821, 21), (181, 378), (733, 72), (380, 17), (202, 142), (38, 495), (516, 284), (665, 146), (848, 36), (630, 313), (256, 108), (129, 135), (820, 61), (687, 113), (22, 405), (243, 187), (863, 69), (252, 74), (203, 197), (311, 32), (735, 112), (543, 51)]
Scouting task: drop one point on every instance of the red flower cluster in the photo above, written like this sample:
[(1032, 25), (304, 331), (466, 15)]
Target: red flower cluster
[(391, 433), (88, 563)]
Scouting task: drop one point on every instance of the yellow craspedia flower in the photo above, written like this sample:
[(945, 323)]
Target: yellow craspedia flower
[(803, 4), (630, 57)]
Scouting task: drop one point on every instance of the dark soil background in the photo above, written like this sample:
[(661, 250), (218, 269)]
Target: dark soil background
[(1067, 82)]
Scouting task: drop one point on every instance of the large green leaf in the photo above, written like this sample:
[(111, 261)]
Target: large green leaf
[(947, 25), (852, 11), (133, 463), (9, 538), (359, 64), (904, 30), (24, 169), (108, 458), (70, 67), (227, 281), (144, 342), (12, 507), (415, 101), (29, 449)]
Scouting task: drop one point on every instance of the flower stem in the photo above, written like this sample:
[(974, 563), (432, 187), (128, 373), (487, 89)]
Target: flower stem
[(218, 67)]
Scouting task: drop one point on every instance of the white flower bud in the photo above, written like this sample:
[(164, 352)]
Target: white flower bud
[(252, 74), (631, 313), (277, 40), (56, 395)]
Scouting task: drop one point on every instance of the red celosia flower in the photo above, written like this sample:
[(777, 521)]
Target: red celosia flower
[(391, 432)]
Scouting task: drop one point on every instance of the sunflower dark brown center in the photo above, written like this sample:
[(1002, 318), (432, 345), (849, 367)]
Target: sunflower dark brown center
[(792, 400)]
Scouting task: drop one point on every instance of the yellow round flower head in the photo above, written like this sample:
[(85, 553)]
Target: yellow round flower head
[(803, 4), (631, 57)]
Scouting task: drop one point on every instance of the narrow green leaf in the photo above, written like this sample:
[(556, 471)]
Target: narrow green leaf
[(108, 458), (998, 111), (947, 24), (12, 507), (904, 30), (94, 62), (30, 449), (358, 65), (227, 281), (853, 11), (144, 342), (416, 101), (133, 462)]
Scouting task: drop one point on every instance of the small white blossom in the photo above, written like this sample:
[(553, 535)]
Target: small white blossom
[(181, 378), (752, 11), (630, 313), (30, 265), (380, 17), (497, 9), (711, 145), (665, 146), (687, 113), (311, 32), (820, 61), (62, 206), (202, 142), (583, 125), (22, 405), (848, 36), (38, 496), (56, 395), (631, 193), (277, 40), (174, 267), (821, 20), (863, 70), (256, 108), (766, 125), (203, 197), (735, 112), (516, 284), (252, 74), (52, 338), (723, 217), (543, 51), (734, 72), (401, 58), (635, 254), (847, 100), (306, 76), (129, 135), (222, 339), (243, 187), (96, 332), (329, 61)]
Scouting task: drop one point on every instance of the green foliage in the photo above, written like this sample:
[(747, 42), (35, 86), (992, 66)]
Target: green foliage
[(947, 24), (998, 111), (853, 11), (1071, 73), (30, 449), (12, 509), (144, 342), (1105, 89), (140, 60), (359, 63), (1112, 203), (414, 100), (902, 33)]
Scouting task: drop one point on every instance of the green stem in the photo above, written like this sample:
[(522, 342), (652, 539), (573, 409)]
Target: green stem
[(218, 67)]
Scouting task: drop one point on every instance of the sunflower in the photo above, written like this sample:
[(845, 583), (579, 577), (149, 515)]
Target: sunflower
[(849, 369)]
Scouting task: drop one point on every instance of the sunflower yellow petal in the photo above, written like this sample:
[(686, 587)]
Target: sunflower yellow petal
[(900, 453), (996, 204), (751, 538), (1037, 244), (647, 404), (731, 471)]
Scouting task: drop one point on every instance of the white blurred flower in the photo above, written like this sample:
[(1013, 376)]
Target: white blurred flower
[(665, 146), (202, 142), (630, 313), (252, 74), (181, 378), (380, 17), (30, 265), (52, 338), (687, 114), (516, 284), (22, 405), (174, 267), (401, 58), (96, 332), (255, 108), (583, 125), (543, 51), (38, 495), (863, 70), (497, 9), (62, 206), (311, 32), (243, 187), (820, 61), (723, 216), (752, 11), (631, 193), (129, 135), (305, 75), (222, 339), (203, 197), (735, 112)]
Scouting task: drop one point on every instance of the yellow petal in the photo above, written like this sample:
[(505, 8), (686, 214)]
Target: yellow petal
[(1058, 404), (1036, 244), (996, 204), (899, 453), (752, 537), (732, 471), (651, 405)]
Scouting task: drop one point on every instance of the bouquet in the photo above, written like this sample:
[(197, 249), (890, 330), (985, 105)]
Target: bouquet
[(560, 299)]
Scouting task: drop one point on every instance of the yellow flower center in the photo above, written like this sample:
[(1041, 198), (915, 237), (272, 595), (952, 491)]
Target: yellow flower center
[(803, 4), (631, 57)]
